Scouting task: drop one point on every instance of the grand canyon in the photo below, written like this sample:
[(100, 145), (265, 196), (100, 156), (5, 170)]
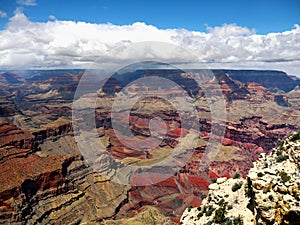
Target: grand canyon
[(47, 177)]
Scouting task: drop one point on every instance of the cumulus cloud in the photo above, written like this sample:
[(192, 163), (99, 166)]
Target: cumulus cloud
[(27, 2), (230, 30), (58, 43), (3, 14)]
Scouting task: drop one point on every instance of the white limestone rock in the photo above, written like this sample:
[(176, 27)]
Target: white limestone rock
[(272, 188)]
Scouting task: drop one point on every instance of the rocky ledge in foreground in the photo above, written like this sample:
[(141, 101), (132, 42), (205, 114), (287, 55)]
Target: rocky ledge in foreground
[(270, 194)]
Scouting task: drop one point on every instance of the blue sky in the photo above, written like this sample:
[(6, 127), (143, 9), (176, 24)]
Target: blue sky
[(264, 16)]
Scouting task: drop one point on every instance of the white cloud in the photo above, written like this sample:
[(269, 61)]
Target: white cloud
[(3, 14), (66, 44), (228, 30), (27, 2)]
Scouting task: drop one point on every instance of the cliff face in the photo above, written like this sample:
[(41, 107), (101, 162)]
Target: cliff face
[(40, 185), (273, 80), (294, 96), (268, 195)]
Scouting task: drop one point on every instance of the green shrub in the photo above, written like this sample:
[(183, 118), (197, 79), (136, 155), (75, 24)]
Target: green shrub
[(200, 214), (280, 147), (260, 174), (279, 152), (219, 216), (271, 197), (250, 194), (209, 211), (238, 221), (209, 198), (236, 187), (221, 202), (264, 208), (228, 222), (249, 189), (213, 180), (281, 158), (236, 176), (295, 137), (284, 176), (296, 196)]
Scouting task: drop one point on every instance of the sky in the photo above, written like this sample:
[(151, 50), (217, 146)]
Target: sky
[(259, 34)]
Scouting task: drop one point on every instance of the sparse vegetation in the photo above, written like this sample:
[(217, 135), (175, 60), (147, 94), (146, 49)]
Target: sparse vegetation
[(263, 208), (260, 174), (280, 147), (278, 152), (295, 137), (236, 176), (209, 223), (238, 221), (220, 215), (296, 195), (236, 187), (228, 222), (250, 194), (271, 198), (210, 211), (281, 158), (200, 214), (209, 198), (249, 189), (284, 176), (221, 202)]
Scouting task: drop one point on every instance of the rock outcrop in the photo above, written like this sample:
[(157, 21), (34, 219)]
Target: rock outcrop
[(270, 194)]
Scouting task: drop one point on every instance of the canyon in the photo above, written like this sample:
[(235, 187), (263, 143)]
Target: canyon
[(47, 178)]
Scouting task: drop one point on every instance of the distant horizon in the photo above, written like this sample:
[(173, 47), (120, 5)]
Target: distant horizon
[(86, 69)]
